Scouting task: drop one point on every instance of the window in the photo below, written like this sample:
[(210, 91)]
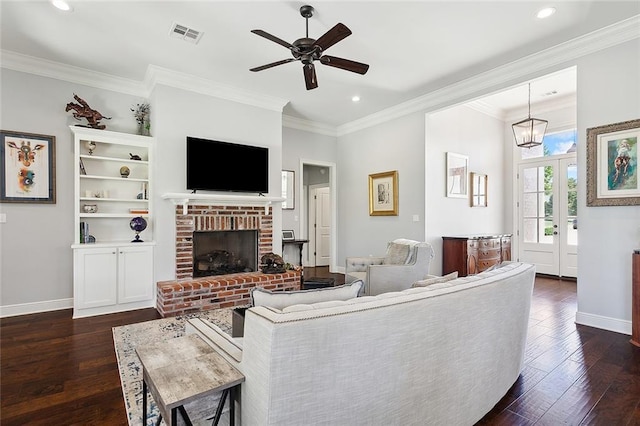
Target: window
[(553, 144)]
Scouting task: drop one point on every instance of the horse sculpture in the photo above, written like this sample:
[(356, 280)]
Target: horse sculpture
[(83, 110)]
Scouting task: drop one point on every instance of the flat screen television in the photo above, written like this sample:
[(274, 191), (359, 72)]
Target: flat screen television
[(224, 166)]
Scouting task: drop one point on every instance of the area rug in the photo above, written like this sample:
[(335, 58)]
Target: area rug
[(127, 338)]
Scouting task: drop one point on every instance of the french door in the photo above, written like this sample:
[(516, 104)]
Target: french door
[(547, 215)]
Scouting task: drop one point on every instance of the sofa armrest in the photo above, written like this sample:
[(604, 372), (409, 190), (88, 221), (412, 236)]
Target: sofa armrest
[(229, 347), (360, 264)]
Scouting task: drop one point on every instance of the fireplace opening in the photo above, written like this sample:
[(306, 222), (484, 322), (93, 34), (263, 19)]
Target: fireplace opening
[(224, 252)]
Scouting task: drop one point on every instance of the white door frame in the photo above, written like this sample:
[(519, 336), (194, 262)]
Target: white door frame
[(303, 231), (562, 249)]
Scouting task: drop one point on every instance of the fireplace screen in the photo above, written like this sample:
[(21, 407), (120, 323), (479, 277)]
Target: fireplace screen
[(224, 252)]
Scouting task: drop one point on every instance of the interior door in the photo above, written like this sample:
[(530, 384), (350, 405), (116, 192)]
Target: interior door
[(323, 226), (547, 209), (319, 225)]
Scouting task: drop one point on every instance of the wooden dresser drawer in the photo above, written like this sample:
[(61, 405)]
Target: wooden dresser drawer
[(472, 254)]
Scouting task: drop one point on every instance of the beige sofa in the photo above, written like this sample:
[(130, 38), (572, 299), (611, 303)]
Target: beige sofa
[(444, 354), (404, 262)]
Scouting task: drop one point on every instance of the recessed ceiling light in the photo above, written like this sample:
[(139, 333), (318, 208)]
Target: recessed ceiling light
[(546, 12), (356, 98), (62, 5)]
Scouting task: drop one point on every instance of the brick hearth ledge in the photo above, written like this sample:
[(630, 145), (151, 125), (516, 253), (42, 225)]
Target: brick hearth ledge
[(177, 297)]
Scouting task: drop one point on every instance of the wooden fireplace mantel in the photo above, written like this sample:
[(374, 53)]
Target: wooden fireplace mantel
[(184, 199)]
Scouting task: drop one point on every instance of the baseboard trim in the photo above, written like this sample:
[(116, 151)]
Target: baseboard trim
[(605, 323), (35, 307)]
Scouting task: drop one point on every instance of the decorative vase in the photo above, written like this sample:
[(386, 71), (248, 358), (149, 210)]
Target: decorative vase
[(144, 128)]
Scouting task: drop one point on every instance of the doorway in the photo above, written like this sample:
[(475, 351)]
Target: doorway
[(318, 213), (548, 216)]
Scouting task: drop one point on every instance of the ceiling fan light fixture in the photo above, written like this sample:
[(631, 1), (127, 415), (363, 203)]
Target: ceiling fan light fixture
[(530, 131), (355, 98)]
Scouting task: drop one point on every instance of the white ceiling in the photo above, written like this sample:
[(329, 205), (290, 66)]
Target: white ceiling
[(412, 47)]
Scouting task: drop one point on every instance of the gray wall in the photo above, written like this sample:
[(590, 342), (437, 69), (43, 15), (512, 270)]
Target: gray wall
[(463, 130), (297, 146), (394, 145), (608, 88), (36, 266)]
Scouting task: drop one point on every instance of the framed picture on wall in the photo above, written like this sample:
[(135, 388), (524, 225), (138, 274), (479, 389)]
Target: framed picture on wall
[(457, 175), (478, 190), (612, 164), (27, 167), (383, 194)]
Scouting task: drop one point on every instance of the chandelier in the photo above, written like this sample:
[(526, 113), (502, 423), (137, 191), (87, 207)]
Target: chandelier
[(529, 132)]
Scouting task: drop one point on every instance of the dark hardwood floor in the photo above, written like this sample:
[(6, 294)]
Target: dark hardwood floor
[(59, 371)]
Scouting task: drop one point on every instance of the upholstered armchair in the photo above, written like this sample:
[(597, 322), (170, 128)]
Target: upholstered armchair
[(405, 262)]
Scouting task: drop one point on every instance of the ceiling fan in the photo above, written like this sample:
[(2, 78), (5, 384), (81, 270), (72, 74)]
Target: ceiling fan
[(307, 50)]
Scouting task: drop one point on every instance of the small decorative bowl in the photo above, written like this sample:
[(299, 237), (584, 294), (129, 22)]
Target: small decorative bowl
[(90, 208)]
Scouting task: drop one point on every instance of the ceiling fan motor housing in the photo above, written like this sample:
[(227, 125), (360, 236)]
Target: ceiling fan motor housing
[(307, 50)]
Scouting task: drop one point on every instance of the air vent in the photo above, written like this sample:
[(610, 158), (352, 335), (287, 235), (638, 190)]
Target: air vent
[(185, 33)]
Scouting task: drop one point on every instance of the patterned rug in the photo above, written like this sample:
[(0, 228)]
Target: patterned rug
[(127, 338)]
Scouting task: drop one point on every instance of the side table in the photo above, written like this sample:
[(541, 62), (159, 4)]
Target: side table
[(182, 370)]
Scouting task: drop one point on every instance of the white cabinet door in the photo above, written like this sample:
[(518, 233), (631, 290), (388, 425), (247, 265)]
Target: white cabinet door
[(135, 274), (96, 278)]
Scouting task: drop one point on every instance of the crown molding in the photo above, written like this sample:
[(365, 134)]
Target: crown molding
[(154, 75), (486, 109), (59, 71), (157, 75), (309, 126), (612, 35), (459, 92), (541, 108)]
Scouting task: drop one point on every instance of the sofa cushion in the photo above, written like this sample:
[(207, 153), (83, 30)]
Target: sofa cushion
[(397, 254), (432, 279), (282, 299)]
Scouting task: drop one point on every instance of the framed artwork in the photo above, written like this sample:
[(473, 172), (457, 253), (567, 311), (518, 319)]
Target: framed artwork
[(612, 164), (478, 190), (288, 235), (288, 190), (457, 175), (383, 194), (27, 167)]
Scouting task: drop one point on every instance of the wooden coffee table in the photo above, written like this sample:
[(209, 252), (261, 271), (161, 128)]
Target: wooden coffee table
[(182, 370)]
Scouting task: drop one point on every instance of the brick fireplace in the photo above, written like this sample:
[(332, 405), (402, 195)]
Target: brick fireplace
[(187, 294)]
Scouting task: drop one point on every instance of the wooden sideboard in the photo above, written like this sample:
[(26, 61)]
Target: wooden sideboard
[(635, 297), (471, 254)]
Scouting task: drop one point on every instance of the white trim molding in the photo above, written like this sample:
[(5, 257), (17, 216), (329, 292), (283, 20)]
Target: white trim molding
[(483, 83), (35, 307), (605, 323)]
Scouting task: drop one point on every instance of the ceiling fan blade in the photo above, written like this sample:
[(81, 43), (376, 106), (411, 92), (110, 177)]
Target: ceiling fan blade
[(273, 38), (310, 76), (272, 64), (334, 35), (344, 64)]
